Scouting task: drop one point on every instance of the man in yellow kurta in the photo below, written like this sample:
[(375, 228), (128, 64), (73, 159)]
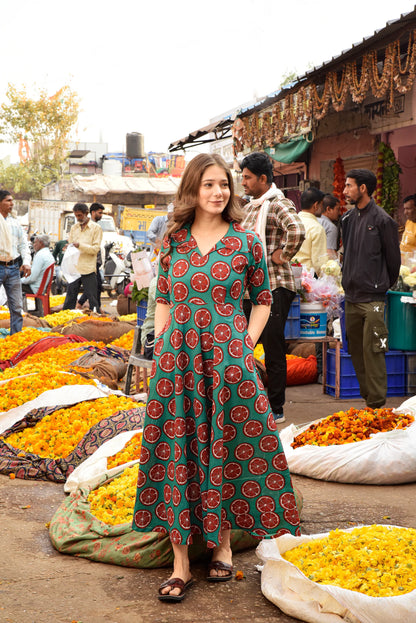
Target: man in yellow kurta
[(408, 242), (86, 236), (313, 252)]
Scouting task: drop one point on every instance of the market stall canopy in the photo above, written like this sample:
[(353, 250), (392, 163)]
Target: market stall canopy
[(104, 184), (290, 151), (220, 129)]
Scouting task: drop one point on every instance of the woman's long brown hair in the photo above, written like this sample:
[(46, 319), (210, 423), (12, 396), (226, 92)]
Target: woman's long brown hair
[(186, 199)]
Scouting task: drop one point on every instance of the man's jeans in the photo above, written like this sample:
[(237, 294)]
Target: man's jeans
[(10, 279)]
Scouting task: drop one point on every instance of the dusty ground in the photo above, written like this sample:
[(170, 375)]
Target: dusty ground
[(39, 585)]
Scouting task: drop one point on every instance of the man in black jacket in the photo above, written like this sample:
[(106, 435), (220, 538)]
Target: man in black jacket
[(371, 266)]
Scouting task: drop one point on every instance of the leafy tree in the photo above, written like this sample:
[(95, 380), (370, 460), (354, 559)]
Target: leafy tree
[(45, 122)]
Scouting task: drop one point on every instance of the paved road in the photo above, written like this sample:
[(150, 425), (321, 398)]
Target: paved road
[(39, 585)]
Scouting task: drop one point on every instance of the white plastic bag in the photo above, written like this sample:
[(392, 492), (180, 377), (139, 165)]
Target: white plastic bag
[(289, 589), (384, 459), (93, 470), (69, 264), (143, 270)]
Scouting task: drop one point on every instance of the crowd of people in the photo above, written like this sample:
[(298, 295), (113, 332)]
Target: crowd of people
[(212, 460)]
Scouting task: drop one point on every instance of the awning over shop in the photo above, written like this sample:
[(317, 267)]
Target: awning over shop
[(220, 129), (104, 184), (289, 152)]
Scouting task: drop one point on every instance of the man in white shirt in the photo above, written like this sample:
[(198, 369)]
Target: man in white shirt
[(329, 221), (42, 259), (14, 259)]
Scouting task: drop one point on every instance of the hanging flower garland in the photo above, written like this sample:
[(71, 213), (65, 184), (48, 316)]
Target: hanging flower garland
[(391, 182), (338, 184)]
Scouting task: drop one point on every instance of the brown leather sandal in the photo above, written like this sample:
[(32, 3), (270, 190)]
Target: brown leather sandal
[(174, 583), (217, 565)]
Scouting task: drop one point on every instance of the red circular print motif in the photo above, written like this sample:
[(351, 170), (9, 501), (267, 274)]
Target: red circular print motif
[(261, 405), (185, 519), (154, 409), (287, 501), (232, 470), (279, 462), (220, 271), (291, 516), (239, 263), (180, 291), (148, 496), (236, 289), (253, 428), (200, 282), (207, 342), (160, 511), (142, 518), (180, 268), (211, 522), (222, 333), (202, 318), (251, 489), (198, 260), (244, 521), (182, 360), (258, 466), (218, 294), (235, 348), (244, 451), (257, 251), (163, 285), (167, 362), (182, 313), (165, 388), (269, 520), (191, 338), (275, 482), (265, 504), (151, 434), (229, 433), (162, 451), (157, 472), (269, 443), (233, 374), (240, 323), (144, 453), (176, 339), (228, 490)]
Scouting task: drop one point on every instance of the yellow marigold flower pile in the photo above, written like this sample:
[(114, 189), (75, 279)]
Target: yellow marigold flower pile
[(113, 503), (379, 561), (128, 317), (56, 299), (57, 434), (350, 426), (55, 359), (23, 389), (62, 317), (12, 344), (258, 353), (130, 452), (289, 357), (125, 341)]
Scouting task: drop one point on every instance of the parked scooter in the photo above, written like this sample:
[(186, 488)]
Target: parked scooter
[(116, 271)]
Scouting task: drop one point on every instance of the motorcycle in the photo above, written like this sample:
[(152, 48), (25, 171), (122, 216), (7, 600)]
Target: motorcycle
[(116, 269)]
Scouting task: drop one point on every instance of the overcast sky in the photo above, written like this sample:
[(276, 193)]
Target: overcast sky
[(165, 68)]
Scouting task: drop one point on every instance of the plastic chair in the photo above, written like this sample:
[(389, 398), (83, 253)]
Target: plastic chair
[(140, 363), (43, 292)]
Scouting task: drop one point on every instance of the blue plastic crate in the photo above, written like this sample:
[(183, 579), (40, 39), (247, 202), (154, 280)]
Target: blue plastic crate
[(349, 388), (141, 312), (410, 372), (292, 326)]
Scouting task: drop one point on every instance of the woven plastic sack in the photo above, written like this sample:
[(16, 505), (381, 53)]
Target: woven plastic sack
[(384, 459), (74, 530), (289, 589)]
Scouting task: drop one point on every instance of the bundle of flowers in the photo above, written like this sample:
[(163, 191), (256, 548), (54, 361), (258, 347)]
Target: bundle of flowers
[(125, 341), (376, 560), (128, 317), (130, 452), (54, 360), (62, 317), (325, 290), (113, 502), (350, 426), (58, 433), (23, 389), (13, 344)]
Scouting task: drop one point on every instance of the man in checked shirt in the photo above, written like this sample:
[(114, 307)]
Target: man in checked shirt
[(275, 220)]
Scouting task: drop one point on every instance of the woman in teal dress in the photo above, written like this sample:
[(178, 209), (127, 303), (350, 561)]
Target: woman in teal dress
[(211, 458)]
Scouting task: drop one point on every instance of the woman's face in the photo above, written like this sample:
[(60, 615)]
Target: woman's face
[(214, 191)]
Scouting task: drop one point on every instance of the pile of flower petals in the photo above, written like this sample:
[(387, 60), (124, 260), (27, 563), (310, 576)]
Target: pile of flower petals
[(57, 434), (23, 389), (113, 502), (350, 426), (125, 341), (13, 344), (130, 452), (57, 359), (379, 561)]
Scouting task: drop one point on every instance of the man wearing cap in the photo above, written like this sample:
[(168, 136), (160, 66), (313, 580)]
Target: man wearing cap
[(42, 259), (14, 259)]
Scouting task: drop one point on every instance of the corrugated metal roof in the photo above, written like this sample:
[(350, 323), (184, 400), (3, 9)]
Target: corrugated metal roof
[(393, 30), (103, 184)]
